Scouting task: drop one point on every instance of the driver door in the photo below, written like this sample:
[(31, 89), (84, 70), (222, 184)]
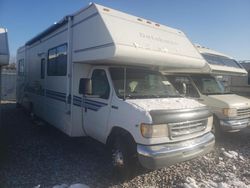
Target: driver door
[(97, 108)]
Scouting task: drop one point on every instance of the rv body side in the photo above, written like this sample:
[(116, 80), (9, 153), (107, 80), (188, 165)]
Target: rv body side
[(89, 45)]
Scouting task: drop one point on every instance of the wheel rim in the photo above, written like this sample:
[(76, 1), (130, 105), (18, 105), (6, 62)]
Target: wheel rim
[(118, 159)]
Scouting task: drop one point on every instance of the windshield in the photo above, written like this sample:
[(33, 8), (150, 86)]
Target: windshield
[(141, 84), (208, 85)]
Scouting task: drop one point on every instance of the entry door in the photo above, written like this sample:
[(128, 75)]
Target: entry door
[(39, 102), (97, 107)]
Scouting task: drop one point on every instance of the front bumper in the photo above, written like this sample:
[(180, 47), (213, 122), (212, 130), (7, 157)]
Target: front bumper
[(234, 124), (163, 155)]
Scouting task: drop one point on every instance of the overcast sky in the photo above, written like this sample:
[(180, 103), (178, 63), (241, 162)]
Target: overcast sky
[(223, 25)]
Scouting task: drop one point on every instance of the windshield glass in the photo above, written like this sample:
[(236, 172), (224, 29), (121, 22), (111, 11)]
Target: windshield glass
[(141, 84), (208, 85)]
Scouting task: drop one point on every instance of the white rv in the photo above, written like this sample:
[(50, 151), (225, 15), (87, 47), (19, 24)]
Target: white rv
[(96, 73), (231, 111)]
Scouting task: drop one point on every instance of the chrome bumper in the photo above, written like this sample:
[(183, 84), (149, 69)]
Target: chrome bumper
[(158, 156), (234, 124)]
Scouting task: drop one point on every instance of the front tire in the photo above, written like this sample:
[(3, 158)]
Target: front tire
[(123, 158)]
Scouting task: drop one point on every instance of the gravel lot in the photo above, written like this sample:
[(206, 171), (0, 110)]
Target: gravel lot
[(32, 155)]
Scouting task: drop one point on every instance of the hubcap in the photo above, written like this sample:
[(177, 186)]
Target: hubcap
[(118, 158)]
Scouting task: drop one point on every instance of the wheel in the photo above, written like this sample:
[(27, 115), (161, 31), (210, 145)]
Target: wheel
[(216, 130), (123, 158), (18, 105)]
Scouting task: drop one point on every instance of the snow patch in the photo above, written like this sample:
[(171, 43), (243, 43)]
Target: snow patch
[(232, 154), (77, 185), (234, 182)]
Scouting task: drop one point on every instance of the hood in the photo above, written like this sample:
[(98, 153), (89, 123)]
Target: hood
[(165, 104), (232, 100)]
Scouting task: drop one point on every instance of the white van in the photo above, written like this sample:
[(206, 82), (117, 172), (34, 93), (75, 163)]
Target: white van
[(96, 73), (231, 111)]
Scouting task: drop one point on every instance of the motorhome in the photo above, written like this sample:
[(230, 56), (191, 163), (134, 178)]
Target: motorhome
[(4, 48), (4, 56), (97, 73), (231, 111)]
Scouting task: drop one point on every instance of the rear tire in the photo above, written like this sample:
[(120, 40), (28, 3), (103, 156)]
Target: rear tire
[(123, 158)]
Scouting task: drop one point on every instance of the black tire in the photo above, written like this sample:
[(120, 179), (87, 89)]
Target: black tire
[(123, 157), (18, 105), (216, 130)]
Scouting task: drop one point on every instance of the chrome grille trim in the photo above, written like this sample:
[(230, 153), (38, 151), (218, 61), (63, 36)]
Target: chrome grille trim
[(182, 129), (244, 112)]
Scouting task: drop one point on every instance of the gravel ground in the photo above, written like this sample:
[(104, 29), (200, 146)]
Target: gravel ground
[(32, 155)]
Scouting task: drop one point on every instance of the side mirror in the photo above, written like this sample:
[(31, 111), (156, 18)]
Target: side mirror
[(85, 86)]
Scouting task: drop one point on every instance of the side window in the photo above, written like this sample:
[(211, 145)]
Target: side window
[(21, 67), (100, 84), (42, 68), (57, 61), (51, 68)]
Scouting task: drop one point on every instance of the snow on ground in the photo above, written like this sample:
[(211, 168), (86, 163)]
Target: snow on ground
[(232, 181), (77, 185)]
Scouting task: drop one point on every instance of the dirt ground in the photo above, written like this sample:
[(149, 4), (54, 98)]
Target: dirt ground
[(32, 155)]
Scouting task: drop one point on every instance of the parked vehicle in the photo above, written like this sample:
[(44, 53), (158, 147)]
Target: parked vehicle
[(4, 48), (231, 111), (96, 73), (4, 57)]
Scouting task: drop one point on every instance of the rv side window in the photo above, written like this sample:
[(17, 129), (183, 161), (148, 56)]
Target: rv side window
[(21, 67), (57, 61), (100, 84), (42, 68)]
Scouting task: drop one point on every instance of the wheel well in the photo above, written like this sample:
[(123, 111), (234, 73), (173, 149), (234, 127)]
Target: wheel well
[(118, 131)]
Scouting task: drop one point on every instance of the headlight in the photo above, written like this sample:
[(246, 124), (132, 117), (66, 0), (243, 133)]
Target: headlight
[(230, 112), (154, 131)]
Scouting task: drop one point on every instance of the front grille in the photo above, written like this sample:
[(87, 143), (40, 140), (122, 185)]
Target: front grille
[(182, 129), (244, 112)]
